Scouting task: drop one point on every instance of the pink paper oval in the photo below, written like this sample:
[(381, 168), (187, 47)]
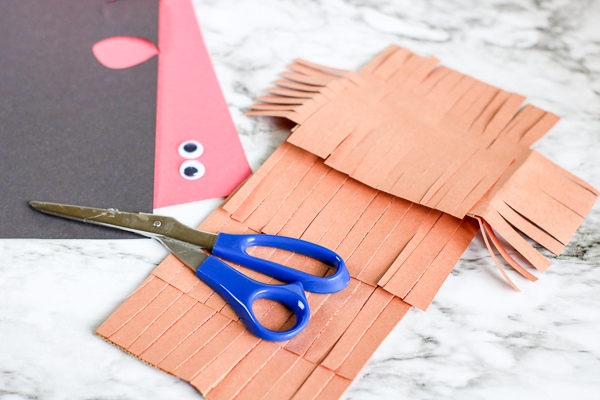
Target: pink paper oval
[(120, 52)]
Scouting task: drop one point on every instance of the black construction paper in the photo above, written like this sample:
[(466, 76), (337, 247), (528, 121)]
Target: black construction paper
[(72, 130)]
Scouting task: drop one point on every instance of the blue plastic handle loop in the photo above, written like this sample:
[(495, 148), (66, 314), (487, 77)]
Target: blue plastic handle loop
[(234, 248), (240, 292)]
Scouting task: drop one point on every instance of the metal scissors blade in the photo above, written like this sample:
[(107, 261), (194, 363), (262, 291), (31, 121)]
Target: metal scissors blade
[(178, 238)]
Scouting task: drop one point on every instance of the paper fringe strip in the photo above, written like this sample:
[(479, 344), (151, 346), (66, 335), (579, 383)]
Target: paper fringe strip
[(425, 133)]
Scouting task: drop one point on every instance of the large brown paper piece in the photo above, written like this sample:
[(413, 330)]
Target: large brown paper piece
[(422, 132), (386, 167), (178, 324)]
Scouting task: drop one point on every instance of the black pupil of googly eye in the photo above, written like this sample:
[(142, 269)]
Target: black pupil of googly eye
[(190, 171), (190, 147)]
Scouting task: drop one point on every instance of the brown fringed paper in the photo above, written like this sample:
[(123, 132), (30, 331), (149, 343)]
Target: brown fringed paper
[(425, 133), (386, 167)]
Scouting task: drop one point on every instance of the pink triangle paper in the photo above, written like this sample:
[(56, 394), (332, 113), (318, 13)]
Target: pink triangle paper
[(192, 111), (198, 154)]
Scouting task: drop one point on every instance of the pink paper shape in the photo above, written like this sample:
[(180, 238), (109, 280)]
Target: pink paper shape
[(120, 52), (191, 107)]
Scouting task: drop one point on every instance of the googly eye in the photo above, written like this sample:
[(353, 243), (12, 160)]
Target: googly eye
[(192, 170), (191, 149)]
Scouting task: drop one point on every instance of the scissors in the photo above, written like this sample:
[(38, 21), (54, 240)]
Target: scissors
[(237, 289)]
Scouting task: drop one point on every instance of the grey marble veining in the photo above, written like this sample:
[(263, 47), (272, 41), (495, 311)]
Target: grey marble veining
[(479, 339)]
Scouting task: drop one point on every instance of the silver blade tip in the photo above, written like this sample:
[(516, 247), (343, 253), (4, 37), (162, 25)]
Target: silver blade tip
[(40, 205)]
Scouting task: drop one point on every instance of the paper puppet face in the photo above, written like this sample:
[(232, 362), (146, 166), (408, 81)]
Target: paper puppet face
[(198, 154), (74, 131)]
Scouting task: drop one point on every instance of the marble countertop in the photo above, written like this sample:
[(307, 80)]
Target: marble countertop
[(479, 339)]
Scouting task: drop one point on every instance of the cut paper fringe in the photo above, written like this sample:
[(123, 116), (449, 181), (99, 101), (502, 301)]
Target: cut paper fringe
[(422, 132), (396, 168), (174, 322), (386, 241), (178, 324)]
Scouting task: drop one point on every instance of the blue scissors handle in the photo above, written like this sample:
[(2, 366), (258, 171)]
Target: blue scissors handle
[(240, 292), (234, 248)]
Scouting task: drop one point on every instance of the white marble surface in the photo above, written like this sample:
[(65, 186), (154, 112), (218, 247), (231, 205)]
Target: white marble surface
[(479, 339)]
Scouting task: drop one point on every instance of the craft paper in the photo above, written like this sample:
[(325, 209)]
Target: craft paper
[(198, 152), (414, 129), (398, 252), (81, 121), (120, 52), (72, 130), (175, 322)]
